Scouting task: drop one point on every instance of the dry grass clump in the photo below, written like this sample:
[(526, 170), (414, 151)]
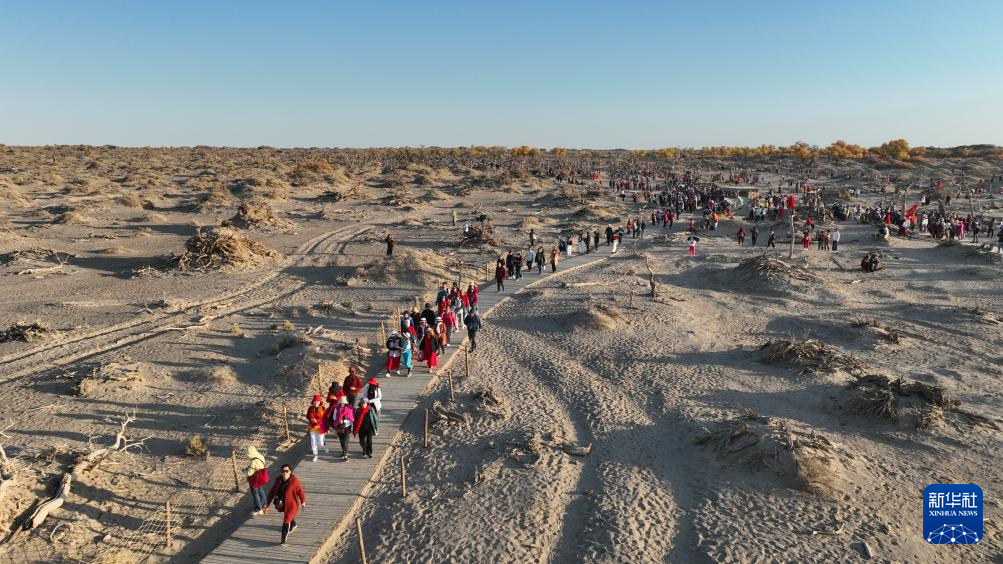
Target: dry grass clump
[(290, 339), (755, 442), (257, 215), (129, 201), (314, 165), (596, 316), (436, 195), (763, 269), (882, 331), (33, 254), (811, 356), (25, 332), (217, 197), (10, 193), (71, 217), (568, 192), (223, 248), (265, 187), (100, 379), (197, 446), (926, 406)]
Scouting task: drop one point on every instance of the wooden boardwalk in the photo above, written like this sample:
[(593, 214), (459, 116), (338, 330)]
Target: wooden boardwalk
[(333, 486)]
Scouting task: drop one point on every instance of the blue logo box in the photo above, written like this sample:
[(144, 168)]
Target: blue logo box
[(952, 514)]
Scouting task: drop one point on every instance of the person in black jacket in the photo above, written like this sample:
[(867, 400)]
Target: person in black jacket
[(428, 315), (473, 323)]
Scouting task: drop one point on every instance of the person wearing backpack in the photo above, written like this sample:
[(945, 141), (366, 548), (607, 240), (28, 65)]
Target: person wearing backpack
[(473, 323), (394, 353), (371, 392), (366, 425), (289, 498), (256, 472), (407, 352), (343, 421)]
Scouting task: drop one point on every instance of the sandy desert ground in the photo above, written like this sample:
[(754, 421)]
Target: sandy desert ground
[(600, 424)]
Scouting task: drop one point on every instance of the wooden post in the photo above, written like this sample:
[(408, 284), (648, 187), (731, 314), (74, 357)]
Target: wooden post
[(630, 304), (403, 479), (285, 422), (425, 442), (466, 360), (362, 545), (449, 376), (167, 529), (236, 476)]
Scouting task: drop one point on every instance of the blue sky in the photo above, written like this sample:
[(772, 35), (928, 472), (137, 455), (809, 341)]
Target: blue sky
[(572, 74)]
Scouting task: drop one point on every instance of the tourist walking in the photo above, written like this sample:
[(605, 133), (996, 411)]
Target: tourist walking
[(473, 323), (352, 384), (366, 424), (343, 422), (316, 425), (430, 349), (289, 497), (257, 478), (500, 276), (390, 244), (553, 259)]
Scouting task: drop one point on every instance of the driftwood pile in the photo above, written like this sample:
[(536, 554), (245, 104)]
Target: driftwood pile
[(25, 332), (756, 442), (765, 269), (250, 215), (223, 248), (811, 356), (925, 405)]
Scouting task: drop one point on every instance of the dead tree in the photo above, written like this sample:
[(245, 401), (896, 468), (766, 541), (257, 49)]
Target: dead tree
[(651, 277)]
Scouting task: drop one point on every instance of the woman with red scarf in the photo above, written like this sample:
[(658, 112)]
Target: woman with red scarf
[(430, 349)]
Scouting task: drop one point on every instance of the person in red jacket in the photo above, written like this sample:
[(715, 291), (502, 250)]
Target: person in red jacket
[(430, 349), (316, 420), (352, 385), (289, 497)]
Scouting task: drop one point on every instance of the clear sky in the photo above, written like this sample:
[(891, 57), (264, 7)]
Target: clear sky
[(600, 74)]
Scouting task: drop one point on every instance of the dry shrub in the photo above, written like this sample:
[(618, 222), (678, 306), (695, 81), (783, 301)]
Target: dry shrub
[(71, 217), (257, 215), (597, 316), (924, 405), (811, 356), (290, 339), (763, 270), (436, 195), (155, 218), (314, 165), (480, 237), (25, 332), (220, 374), (264, 187), (568, 192), (197, 446), (217, 197), (880, 330), (223, 248), (756, 442), (129, 201), (33, 255), (108, 378), (10, 193)]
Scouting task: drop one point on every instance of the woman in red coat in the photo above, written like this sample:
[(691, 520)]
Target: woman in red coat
[(430, 349), (289, 497)]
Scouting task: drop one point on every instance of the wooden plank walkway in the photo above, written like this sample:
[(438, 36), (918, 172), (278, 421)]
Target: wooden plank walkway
[(333, 486)]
